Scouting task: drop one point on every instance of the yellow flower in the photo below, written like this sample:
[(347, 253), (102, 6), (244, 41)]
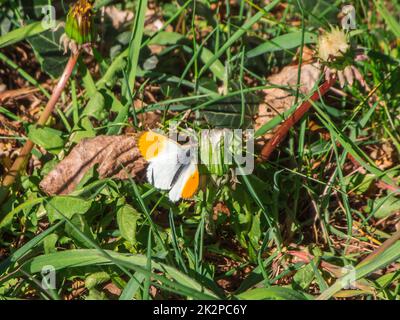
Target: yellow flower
[(332, 45)]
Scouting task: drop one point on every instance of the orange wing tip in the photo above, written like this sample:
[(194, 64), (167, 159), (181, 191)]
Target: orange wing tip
[(191, 186), (150, 144)]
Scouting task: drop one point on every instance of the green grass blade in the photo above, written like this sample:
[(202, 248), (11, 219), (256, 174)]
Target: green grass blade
[(283, 42), (90, 257), (390, 20), (390, 255), (27, 247), (238, 34), (134, 47), (271, 293), (132, 286)]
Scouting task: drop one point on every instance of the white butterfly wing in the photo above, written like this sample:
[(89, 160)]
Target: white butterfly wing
[(186, 184), (163, 168)]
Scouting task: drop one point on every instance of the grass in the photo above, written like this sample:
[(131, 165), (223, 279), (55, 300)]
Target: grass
[(324, 201)]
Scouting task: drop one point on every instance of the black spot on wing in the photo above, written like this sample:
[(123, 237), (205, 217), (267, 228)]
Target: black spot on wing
[(152, 176), (177, 174)]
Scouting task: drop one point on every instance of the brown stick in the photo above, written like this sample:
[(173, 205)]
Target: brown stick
[(282, 131), (18, 164)]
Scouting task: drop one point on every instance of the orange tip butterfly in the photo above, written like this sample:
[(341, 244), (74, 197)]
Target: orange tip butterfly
[(171, 166)]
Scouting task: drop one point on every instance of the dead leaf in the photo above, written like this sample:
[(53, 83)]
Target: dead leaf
[(112, 289), (8, 147), (307, 54), (17, 93), (384, 155), (117, 157), (149, 119), (220, 207), (118, 17), (3, 87), (278, 100)]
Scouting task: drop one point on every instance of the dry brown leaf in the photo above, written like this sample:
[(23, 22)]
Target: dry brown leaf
[(149, 119), (384, 155), (8, 147), (16, 94), (117, 157), (220, 207), (118, 17), (307, 54), (154, 22), (3, 87), (112, 289), (277, 100)]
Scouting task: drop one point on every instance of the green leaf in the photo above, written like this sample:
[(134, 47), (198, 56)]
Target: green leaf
[(127, 218), (271, 293), (95, 107), (386, 206), (96, 295), (223, 118), (6, 219), (359, 183), (96, 278), (84, 129), (49, 243), (48, 138), (67, 205), (22, 34), (111, 75), (227, 112), (217, 68), (48, 52), (164, 38), (87, 79), (81, 224), (254, 235), (304, 276), (283, 42)]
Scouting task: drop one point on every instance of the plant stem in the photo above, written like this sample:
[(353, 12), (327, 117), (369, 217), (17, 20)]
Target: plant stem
[(19, 163), (282, 131)]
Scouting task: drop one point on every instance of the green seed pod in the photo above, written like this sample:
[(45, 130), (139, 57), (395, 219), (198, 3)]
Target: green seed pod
[(80, 22)]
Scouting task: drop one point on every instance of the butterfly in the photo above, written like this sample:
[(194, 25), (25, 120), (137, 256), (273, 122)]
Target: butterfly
[(171, 165)]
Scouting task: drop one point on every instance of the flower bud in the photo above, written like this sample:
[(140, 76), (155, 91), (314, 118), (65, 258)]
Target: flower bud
[(80, 22)]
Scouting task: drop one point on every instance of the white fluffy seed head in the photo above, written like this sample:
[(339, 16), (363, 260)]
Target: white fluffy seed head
[(332, 45)]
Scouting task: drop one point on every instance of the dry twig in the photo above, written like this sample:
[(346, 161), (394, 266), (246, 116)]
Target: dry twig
[(282, 131)]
